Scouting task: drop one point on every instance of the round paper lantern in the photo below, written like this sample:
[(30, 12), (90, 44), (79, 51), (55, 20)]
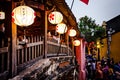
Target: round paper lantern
[(72, 33), (2, 15), (55, 17), (61, 28), (23, 16), (76, 42)]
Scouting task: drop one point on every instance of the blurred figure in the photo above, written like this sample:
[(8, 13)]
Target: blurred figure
[(99, 73), (105, 69), (2, 34), (117, 71), (93, 69), (89, 70)]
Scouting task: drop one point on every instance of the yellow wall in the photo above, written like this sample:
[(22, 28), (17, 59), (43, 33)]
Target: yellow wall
[(103, 49), (115, 47)]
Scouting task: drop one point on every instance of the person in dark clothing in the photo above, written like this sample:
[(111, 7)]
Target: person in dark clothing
[(89, 70), (117, 71), (99, 73), (2, 34)]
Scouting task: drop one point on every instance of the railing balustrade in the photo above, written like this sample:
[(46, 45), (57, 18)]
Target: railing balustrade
[(4, 59), (30, 52)]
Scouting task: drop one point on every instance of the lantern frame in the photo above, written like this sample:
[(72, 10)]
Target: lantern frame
[(61, 28), (23, 15), (55, 17), (72, 32), (2, 15), (76, 42)]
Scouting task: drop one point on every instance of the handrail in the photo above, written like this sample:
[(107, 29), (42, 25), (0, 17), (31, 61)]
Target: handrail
[(5, 59), (56, 44), (30, 45), (3, 50)]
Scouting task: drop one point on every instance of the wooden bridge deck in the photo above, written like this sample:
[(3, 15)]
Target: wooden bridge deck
[(53, 68)]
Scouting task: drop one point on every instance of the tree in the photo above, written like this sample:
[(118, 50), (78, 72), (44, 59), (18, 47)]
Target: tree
[(89, 30)]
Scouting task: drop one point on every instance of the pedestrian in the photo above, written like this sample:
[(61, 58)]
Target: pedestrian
[(105, 69), (99, 73), (93, 69), (2, 34), (89, 70), (110, 73)]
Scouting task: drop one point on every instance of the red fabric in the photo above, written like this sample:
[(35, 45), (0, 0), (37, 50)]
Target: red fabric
[(85, 1)]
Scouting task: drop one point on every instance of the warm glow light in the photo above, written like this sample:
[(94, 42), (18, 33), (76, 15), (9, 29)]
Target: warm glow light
[(2, 15), (61, 28), (98, 42), (23, 16), (98, 46), (76, 42), (72, 33), (55, 17)]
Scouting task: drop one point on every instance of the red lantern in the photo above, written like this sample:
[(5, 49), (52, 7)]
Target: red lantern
[(55, 17)]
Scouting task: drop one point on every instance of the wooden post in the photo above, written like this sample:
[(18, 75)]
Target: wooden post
[(72, 47), (45, 38), (8, 57), (14, 52), (14, 46), (68, 44)]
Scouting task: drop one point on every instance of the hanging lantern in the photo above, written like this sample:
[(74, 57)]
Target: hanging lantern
[(76, 42), (61, 28), (72, 33), (2, 15), (23, 16), (98, 45), (55, 17)]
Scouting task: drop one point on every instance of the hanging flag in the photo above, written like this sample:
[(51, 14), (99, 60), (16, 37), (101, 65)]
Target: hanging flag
[(85, 1)]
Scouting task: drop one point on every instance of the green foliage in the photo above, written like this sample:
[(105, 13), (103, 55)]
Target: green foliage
[(90, 29)]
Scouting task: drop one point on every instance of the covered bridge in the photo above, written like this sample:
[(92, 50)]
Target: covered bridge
[(37, 51)]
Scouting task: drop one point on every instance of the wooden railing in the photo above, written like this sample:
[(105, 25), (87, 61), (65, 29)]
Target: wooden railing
[(34, 50), (4, 60), (30, 52), (58, 49)]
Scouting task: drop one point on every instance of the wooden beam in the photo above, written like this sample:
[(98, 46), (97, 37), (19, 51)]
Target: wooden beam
[(51, 27), (14, 45), (36, 5), (45, 39), (3, 50)]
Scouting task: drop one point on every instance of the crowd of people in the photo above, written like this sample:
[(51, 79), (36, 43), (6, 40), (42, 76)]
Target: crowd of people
[(104, 69)]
